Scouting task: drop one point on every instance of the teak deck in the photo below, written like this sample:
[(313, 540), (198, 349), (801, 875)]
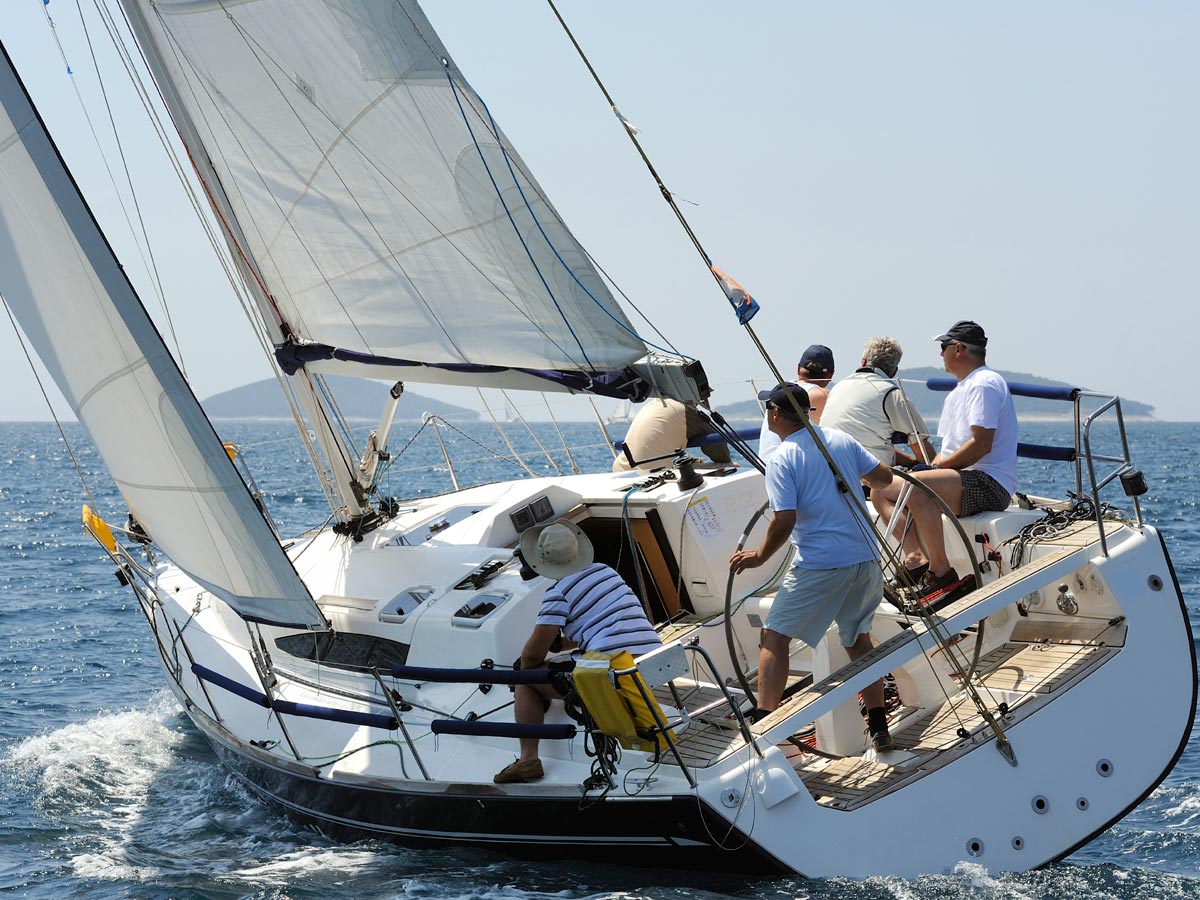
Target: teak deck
[(1041, 661)]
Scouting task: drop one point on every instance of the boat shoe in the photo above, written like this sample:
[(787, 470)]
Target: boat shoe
[(519, 772), (935, 593), (931, 584), (882, 741), (895, 590)]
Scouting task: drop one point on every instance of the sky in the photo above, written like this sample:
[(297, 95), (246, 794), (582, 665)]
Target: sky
[(863, 169)]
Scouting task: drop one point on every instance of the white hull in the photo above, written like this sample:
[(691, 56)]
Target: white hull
[(1099, 706)]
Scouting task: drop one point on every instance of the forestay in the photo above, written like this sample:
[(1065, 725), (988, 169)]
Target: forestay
[(384, 212), (61, 280)]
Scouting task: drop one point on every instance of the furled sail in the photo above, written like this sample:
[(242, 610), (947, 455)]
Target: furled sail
[(394, 228), (65, 287)]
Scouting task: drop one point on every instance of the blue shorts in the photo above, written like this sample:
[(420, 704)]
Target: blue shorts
[(810, 600)]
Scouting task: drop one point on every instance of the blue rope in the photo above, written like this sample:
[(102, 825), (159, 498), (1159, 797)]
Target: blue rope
[(508, 212)]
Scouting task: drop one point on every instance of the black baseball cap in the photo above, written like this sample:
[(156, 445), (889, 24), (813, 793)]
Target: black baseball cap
[(778, 396), (818, 360), (966, 331)]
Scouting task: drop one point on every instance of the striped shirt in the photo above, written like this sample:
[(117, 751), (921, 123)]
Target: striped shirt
[(596, 609)]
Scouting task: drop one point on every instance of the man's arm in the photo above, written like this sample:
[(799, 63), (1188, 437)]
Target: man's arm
[(538, 646), (973, 449), (878, 477), (781, 525), (922, 450)]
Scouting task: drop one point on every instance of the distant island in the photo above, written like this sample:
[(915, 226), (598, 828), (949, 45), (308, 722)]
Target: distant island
[(357, 398), (929, 403), (364, 399)]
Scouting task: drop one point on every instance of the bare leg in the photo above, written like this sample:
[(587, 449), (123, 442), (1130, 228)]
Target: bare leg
[(772, 668), (529, 708), (924, 538), (905, 531), (927, 515), (873, 693)]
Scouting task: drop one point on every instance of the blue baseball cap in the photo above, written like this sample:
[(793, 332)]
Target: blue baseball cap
[(817, 360)]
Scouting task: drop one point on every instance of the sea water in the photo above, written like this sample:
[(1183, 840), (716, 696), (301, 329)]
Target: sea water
[(107, 791)]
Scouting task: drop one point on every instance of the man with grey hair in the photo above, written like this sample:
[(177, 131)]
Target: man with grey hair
[(870, 407), (976, 469)]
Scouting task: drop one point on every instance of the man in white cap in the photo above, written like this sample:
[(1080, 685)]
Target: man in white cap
[(592, 608)]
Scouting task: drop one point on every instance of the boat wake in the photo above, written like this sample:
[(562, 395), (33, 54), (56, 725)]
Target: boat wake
[(144, 801)]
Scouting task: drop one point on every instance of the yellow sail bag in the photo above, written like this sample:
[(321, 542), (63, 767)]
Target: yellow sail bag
[(619, 710)]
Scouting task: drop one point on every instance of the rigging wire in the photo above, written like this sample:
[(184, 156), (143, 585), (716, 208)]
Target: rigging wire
[(566, 447), (144, 248), (503, 433), (553, 463)]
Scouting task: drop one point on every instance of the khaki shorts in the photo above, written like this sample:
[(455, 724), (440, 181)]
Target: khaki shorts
[(810, 600)]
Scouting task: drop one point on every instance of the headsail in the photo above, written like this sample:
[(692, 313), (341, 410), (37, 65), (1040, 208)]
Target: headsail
[(61, 280), (395, 229)]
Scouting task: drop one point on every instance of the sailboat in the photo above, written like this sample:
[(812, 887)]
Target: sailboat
[(357, 676)]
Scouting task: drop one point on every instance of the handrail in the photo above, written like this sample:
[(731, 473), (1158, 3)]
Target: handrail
[(1018, 389)]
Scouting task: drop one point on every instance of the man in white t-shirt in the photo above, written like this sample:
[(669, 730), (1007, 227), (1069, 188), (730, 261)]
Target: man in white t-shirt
[(976, 468)]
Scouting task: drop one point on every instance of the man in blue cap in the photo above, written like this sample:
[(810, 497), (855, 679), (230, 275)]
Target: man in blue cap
[(835, 574), (814, 372), (976, 468)]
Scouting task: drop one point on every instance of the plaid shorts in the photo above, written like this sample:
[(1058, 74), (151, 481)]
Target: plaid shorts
[(981, 492)]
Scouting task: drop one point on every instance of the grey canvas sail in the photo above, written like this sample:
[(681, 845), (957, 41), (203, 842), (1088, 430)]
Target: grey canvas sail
[(74, 303), (391, 228)]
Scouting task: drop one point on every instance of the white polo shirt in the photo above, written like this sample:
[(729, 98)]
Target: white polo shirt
[(982, 399)]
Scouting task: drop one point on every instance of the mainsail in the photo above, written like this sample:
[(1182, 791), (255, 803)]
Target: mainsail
[(61, 280), (391, 228)]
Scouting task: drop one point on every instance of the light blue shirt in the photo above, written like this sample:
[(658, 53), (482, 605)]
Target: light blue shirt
[(830, 533)]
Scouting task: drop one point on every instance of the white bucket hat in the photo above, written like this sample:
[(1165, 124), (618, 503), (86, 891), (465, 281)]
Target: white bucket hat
[(556, 549)]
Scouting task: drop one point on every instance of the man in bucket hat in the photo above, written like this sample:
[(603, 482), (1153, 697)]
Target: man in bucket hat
[(589, 605)]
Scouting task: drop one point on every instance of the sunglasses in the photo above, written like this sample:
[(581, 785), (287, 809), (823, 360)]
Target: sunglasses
[(947, 344)]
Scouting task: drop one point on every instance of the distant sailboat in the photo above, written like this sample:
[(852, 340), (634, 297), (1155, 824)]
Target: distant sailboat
[(622, 415), (384, 227)]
